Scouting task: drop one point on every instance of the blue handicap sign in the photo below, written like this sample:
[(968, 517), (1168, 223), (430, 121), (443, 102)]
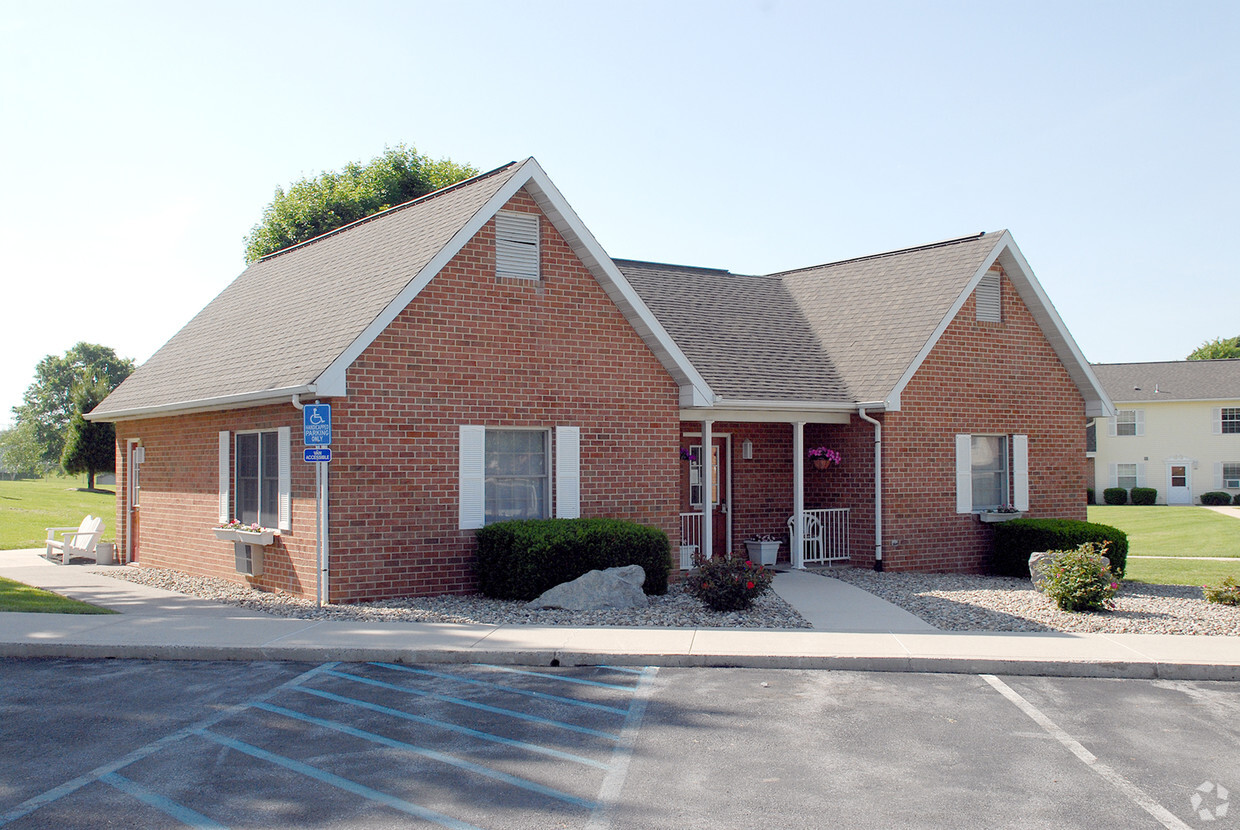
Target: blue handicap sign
[(317, 454), (316, 424)]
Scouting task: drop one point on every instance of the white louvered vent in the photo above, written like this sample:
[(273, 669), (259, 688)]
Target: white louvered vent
[(516, 245), (987, 296)]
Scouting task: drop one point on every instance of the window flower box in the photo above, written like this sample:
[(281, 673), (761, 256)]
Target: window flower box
[(993, 517), (262, 536)]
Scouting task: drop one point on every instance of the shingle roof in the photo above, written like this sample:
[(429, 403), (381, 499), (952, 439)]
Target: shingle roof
[(287, 317), (745, 334), (1172, 380)]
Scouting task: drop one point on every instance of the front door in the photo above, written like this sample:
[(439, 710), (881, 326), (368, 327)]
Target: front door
[(1179, 487), (719, 497), (133, 487)]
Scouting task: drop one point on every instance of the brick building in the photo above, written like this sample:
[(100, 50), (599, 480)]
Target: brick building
[(485, 359)]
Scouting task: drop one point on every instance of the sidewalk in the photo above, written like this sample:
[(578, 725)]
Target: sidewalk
[(853, 630)]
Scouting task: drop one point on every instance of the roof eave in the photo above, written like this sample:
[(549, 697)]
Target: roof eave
[(241, 401)]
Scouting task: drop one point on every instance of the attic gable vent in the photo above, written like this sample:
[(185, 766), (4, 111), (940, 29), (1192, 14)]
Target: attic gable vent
[(516, 245), (987, 297)]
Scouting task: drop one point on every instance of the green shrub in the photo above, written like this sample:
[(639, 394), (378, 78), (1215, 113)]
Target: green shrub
[(728, 583), (522, 559), (1216, 498), (1144, 495), (1014, 541), (1089, 496), (1226, 592), (1115, 495), (1078, 580)]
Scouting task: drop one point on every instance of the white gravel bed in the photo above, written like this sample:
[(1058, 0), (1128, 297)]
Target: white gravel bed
[(675, 609), (959, 602)]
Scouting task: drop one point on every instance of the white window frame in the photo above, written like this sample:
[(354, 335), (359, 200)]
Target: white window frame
[(284, 476), (1134, 418), (1227, 420), (1016, 468), (1121, 474), (1225, 481), (563, 497)]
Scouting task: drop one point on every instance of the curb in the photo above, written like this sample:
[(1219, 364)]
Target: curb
[(1127, 670)]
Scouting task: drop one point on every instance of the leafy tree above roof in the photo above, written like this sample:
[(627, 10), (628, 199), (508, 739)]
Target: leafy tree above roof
[(1217, 349), (313, 207)]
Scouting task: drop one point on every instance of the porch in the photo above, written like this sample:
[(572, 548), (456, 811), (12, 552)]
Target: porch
[(824, 538)]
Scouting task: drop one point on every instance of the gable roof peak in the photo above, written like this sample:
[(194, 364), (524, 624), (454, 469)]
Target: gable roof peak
[(897, 252)]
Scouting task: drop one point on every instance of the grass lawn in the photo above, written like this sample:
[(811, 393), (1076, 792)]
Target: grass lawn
[(29, 506), (1160, 530), (17, 596)]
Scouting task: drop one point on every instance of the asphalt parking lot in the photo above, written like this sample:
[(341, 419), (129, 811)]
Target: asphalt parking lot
[(115, 743)]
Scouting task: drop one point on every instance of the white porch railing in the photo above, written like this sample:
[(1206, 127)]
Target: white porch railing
[(690, 538), (825, 536)]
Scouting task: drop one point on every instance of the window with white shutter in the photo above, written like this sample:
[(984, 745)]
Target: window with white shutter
[(516, 245)]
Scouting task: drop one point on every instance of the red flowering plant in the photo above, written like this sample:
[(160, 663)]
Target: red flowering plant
[(728, 583)]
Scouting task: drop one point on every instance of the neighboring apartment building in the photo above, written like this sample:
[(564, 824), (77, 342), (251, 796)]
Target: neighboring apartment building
[(1177, 429)]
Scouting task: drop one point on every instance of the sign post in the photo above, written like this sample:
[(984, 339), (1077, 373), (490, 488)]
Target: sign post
[(317, 434)]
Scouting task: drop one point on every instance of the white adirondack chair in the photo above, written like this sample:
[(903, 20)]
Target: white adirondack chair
[(75, 541)]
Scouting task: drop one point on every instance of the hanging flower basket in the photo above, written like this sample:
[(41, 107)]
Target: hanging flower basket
[(823, 457)]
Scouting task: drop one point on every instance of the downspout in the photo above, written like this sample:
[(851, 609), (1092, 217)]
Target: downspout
[(878, 487)]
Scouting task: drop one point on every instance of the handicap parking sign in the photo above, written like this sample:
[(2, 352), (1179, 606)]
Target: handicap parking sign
[(317, 424)]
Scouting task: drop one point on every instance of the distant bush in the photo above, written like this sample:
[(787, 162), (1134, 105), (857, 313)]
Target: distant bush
[(728, 583), (522, 559), (1089, 496), (1216, 498), (1078, 580), (1144, 495), (1115, 495), (1014, 541)]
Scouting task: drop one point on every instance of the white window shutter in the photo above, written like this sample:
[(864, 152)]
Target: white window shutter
[(1111, 425), (1140, 475), (285, 510), (1218, 420), (1114, 470), (516, 245), (964, 474), (568, 472), (1218, 475), (1020, 472), (473, 477), (225, 477), (1140, 422)]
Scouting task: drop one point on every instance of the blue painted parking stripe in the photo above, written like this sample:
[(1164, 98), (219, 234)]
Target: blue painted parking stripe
[(557, 677), (69, 787), (571, 701), (496, 710), (340, 782), (183, 814), (443, 758), (452, 727), (624, 669)]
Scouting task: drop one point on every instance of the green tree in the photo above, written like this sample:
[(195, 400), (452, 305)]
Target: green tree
[(89, 447), (20, 455), (48, 405), (1219, 348), (313, 207)]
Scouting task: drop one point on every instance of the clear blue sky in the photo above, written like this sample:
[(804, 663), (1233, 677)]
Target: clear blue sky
[(141, 142)]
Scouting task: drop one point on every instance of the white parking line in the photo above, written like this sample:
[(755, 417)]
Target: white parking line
[(1134, 793), (613, 782)]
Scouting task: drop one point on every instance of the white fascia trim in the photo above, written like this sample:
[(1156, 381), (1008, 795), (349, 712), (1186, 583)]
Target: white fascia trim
[(244, 400), (1021, 276), (1124, 404), (621, 292), (815, 406), (765, 416)]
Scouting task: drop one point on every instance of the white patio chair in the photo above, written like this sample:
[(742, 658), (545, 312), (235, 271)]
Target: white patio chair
[(814, 545), (75, 541)]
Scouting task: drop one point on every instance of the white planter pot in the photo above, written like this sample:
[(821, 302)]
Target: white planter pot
[(266, 537), (764, 553), (991, 518)]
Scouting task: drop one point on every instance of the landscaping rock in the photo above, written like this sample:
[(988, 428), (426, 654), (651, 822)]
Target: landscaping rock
[(598, 590), (1041, 560)]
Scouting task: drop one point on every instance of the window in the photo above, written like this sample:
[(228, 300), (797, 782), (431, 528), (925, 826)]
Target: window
[(987, 298), (1130, 422), (507, 473), (1229, 417), (516, 245), (991, 471), (1126, 476), (255, 475), (695, 476), (1231, 476)]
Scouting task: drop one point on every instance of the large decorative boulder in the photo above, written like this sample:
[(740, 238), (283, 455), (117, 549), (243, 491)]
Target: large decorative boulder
[(1041, 560), (598, 590)]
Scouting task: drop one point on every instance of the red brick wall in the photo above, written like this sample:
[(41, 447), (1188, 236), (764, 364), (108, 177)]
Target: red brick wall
[(998, 378), (470, 349)]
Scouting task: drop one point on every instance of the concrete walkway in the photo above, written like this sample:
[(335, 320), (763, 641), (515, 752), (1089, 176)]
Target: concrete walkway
[(853, 630)]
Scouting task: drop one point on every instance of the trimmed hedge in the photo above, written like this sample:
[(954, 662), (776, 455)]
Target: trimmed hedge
[(1215, 498), (1015, 540), (1115, 495), (1144, 495), (522, 559)]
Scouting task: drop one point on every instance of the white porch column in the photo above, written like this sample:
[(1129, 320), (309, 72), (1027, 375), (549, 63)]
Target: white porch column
[(798, 495), (708, 481)]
